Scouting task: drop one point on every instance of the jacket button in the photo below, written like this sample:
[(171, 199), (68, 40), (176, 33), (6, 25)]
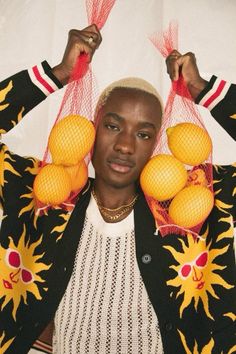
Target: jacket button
[(146, 258), (169, 326)]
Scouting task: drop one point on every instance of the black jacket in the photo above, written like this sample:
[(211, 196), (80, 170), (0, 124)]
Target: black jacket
[(198, 311)]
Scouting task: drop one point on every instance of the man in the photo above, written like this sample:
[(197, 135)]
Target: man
[(108, 284)]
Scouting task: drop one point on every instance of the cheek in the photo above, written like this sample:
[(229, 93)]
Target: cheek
[(99, 152), (101, 145), (144, 153)]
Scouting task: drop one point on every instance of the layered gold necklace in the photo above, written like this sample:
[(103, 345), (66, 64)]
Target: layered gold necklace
[(117, 213)]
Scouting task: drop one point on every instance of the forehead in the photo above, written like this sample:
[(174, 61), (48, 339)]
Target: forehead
[(128, 101)]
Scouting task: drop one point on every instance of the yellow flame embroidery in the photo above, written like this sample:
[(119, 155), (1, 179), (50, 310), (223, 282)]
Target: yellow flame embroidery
[(207, 349), (60, 228), (6, 165), (3, 94), (6, 345)]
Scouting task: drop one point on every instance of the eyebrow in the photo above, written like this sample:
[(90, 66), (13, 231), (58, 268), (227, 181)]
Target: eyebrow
[(119, 118), (114, 115)]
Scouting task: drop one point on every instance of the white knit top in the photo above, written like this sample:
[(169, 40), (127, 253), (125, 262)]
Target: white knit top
[(105, 309)]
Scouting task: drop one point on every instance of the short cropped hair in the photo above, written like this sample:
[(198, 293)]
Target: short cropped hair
[(134, 83)]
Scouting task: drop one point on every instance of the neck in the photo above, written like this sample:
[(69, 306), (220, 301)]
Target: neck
[(113, 197)]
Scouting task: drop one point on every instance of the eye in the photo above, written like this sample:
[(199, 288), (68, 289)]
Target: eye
[(185, 270), (201, 261), (144, 135), (111, 126), (13, 258), (26, 276)]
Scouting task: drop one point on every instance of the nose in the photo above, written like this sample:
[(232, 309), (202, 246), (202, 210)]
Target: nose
[(125, 143), (14, 276), (197, 274)]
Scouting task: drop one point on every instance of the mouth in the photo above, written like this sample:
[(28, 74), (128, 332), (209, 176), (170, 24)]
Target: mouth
[(200, 285), (7, 284), (120, 166)]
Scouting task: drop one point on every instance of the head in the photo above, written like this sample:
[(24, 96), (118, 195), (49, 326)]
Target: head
[(127, 119)]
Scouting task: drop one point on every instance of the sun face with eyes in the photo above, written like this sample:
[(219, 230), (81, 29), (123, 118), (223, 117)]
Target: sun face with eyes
[(197, 272), (19, 272)]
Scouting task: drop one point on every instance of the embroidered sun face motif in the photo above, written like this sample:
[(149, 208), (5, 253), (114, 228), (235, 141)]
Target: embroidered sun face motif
[(197, 272), (194, 269), (19, 272)]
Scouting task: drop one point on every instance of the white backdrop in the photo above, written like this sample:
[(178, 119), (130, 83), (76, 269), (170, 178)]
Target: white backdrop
[(34, 30)]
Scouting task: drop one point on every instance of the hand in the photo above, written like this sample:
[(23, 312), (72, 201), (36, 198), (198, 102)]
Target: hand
[(186, 65), (79, 41)]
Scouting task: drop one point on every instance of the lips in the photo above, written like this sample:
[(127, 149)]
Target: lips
[(7, 284), (200, 285), (120, 166)]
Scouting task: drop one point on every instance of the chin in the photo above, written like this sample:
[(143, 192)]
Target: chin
[(120, 184)]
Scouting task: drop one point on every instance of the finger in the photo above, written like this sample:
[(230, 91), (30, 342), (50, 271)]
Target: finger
[(93, 31), (92, 39), (96, 30), (190, 56), (90, 45), (187, 61), (173, 66), (89, 38), (175, 71), (175, 52)]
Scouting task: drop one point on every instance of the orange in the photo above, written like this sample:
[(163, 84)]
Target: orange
[(78, 174), (71, 139), (163, 177), (189, 143), (52, 185), (191, 206)]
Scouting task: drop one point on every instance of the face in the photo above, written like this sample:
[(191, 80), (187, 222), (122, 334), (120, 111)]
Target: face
[(126, 136)]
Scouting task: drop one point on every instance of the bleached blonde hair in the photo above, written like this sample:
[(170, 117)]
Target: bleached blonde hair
[(134, 83)]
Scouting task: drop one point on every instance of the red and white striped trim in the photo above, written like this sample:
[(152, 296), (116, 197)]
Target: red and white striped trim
[(46, 348), (42, 80), (216, 94)]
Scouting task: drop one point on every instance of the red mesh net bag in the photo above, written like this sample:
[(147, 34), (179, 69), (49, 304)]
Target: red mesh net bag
[(177, 181), (64, 169)]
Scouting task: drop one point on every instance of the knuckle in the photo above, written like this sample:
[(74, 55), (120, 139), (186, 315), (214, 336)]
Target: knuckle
[(190, 55), (94, 27), (74, 35), (73, 32)]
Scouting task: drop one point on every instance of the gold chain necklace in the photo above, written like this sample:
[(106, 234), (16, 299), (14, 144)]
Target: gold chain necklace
[(117, 213)]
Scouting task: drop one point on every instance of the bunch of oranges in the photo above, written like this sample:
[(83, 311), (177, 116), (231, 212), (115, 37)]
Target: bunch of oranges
[(165, 177), (70, 140)]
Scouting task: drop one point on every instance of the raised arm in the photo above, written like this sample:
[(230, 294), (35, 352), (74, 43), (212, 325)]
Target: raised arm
[(217, 95), (25, 90), (84, 41)]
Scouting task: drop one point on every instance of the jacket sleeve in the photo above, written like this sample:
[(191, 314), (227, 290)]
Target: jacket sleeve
[(22, 92), (220, 98), (18, 95)]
